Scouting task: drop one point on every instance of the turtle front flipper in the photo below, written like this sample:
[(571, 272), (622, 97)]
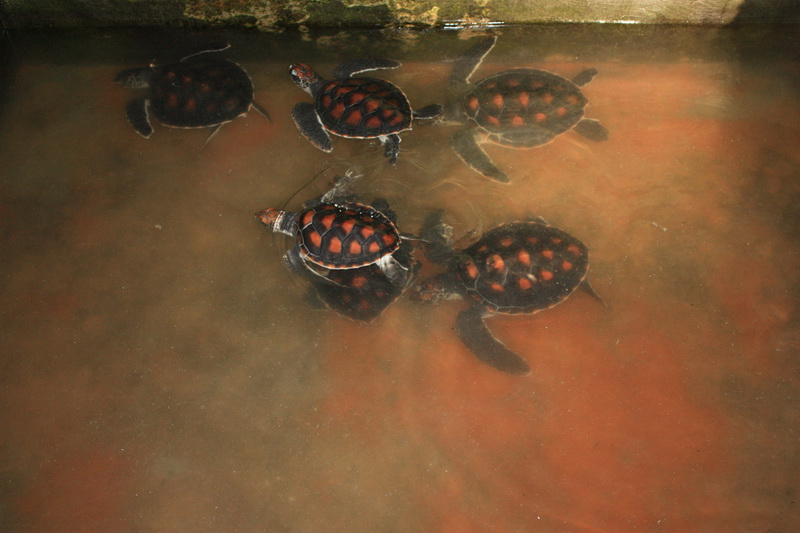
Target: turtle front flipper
[(135, 78), (465, 144), (210, 136), (382, 204), (305, 116), (588, 289), (294, 262), (584, 77), (470, 61), (261, 110), (472, 331), (313, 299), (391, 145), (349, 69), (592, 130), (394, 270), (211, 47), (136, 111)]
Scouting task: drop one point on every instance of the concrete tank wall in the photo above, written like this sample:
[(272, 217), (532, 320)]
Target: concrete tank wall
[(276, 14)]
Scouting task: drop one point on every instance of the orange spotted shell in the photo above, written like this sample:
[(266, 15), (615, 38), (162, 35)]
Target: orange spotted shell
[(348, 235), (363, 107), (525, 107), (359, 293), (522, 267)]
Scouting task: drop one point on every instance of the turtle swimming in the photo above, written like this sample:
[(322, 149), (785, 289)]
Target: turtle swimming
[(354, 106), (335, 232), (519, 108), (199, 91), (518, 267)]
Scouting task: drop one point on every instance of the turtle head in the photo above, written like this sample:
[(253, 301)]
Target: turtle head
[(430, 290), (303, 76), (135, 78), (438, 238), (277, 220), (270, 217)]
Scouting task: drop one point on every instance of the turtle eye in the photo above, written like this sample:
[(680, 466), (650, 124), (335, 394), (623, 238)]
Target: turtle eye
[(301, 76), (297, 71)]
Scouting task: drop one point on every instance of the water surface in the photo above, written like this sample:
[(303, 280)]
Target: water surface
[(162, 370)]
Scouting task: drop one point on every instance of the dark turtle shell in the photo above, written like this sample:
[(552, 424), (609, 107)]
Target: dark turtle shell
[(200, 92), (363, 108), (359, 293), (525, 107), (344, 236), (522, 267)]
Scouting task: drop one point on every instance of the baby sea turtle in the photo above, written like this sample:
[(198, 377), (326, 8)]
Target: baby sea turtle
[(356, 107), (362, 293), (199, 91), (520, 267), (335, 232), (519, 108)]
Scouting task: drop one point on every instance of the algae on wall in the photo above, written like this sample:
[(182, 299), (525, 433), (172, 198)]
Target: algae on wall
[(276, 14)]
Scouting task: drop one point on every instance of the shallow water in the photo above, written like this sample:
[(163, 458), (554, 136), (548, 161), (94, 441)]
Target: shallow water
[(162, 370)]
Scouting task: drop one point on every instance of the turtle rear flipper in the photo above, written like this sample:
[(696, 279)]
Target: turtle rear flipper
[(391, 147), (472, 331), (465, 144), (349, 69), (592, 129), (307, 121), (428, 112), (470, 61), (343, 190), (136, 111)]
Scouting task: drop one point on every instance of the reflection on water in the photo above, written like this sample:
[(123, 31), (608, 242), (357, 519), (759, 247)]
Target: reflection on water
[(162, 370)]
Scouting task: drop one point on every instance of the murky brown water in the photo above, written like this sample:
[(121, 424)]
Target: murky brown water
[(161, 370)]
